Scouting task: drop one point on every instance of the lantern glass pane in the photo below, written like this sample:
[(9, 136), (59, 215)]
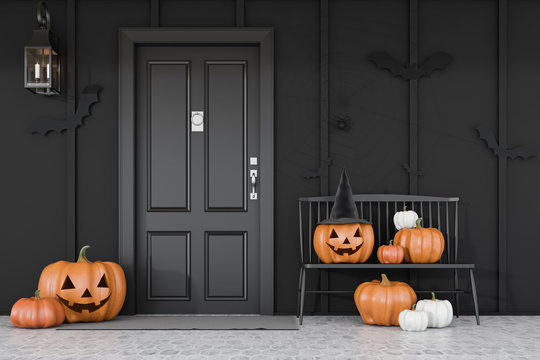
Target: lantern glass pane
[(38, 66), (55, 71)]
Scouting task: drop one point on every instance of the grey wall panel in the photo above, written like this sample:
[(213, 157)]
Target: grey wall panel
[(197, 13), (33, 167), (225, 265), (523, 175), (375, 146), (169, 265), (296, 125), (97, 140), (455, 161), (226, 136), (168, 136)]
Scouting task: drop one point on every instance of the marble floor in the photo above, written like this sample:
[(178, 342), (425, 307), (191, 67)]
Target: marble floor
[(321, 337)]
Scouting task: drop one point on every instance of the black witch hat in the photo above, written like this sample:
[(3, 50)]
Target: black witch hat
[(344, 210)]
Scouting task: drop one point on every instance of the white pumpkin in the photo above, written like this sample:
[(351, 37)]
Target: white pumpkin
[(405, 219), (439, 312), (413, 320)]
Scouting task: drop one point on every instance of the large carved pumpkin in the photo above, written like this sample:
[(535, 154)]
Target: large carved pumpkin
[(422, 245), (380, 302), (89, 291), (343, 243)]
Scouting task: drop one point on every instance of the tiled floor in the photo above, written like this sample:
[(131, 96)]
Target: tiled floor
[(333, 337)]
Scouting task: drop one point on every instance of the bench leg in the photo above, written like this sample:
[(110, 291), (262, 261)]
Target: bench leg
[(475, 298), (298, 292), (456, 295), (302, 293)]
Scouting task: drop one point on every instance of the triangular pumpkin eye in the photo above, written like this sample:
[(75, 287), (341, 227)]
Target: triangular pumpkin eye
[(103, 282), (333, 235), (357, 233), (68, 284)]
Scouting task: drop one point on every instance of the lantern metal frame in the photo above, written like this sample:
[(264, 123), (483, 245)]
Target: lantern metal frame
[(43, 39)]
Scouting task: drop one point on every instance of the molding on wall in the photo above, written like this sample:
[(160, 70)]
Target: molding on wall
[(324, 154), (503, 165), (325, 159), (413, 99), (240, 13), (71, 135), (154, 13)]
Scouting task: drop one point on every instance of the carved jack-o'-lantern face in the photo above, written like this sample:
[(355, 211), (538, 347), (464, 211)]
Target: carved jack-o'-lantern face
[(89, 291), (344, 243), (86, 300), (341, 245)]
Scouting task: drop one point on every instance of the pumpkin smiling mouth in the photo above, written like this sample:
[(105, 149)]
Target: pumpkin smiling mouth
[(80, 307), (342, 251)]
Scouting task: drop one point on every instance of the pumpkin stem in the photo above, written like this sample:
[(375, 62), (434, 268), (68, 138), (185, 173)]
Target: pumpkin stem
[(413, 307), (404, 207), (36, 293), (433, 296), (419, 223), (385, 281), (82, 254), (391, 242)]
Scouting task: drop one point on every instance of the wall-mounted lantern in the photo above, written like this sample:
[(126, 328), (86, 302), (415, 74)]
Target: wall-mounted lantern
[(41, 60)]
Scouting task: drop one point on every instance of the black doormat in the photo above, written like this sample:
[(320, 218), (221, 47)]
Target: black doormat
[(189, 322)]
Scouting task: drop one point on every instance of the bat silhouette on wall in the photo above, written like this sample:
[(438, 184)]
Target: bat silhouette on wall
[(385, 61), (89, 97), (523, 151), (410, 171)]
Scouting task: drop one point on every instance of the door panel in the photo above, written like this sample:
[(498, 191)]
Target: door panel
[(197, 232), (226, 258), (168, 182), (225, 136), (168, 255)]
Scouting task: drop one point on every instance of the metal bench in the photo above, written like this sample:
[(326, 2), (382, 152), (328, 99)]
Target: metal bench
[(438, 212)]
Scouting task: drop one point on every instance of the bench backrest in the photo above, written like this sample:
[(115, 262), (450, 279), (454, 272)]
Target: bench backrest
[(379, 209)]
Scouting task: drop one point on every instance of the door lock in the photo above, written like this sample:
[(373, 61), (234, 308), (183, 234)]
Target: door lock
[(253, 176)]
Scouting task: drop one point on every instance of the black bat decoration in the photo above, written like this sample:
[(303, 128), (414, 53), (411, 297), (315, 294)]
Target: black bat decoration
[(385, 61), (410, 171), (523, 151), (89, 97)]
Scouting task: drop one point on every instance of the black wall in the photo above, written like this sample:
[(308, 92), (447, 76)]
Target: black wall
[(455, 162)]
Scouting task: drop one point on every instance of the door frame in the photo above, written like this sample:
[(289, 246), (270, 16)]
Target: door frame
[(129, 38)]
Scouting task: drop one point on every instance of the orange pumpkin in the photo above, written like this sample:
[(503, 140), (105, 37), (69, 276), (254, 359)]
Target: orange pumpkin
[(36, 312), (343, 243), (89, 291), (422, 245), (390, 254), (380, 302)]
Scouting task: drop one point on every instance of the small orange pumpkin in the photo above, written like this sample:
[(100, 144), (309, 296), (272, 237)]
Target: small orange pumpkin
[(36, 312), (390, 254), (343, 243), (422, 245), (380, 302), (89, 291)]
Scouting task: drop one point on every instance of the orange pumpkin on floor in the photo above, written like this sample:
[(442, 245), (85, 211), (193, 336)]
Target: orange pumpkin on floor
[(343, 243), (37, 312), (380, 302), (390, 254), (89, 291), (422, 245)]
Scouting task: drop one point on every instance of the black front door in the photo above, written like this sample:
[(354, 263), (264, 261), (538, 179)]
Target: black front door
[(197, 149)]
